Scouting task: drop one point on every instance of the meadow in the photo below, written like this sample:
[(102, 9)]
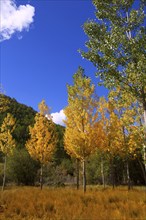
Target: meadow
[(30, 203)]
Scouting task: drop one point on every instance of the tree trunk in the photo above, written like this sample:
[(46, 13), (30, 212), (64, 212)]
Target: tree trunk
[(144, 156), (113, 174), (84, 176), (128, 176), (102, 173), (78, 175), (41, 177), (144, 147), (143, 170), (4, 174), (112, 170)]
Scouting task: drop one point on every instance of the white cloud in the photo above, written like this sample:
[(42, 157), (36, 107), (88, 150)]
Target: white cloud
[(58, 117), (14, 19)]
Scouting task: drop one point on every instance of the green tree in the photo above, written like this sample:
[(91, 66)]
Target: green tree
[(42, 142), (22, 168), (117, 46), (7, 143), (81, 117), (60, 153)]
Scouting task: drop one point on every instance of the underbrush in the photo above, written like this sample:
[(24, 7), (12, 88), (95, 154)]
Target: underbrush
[(30, 203)]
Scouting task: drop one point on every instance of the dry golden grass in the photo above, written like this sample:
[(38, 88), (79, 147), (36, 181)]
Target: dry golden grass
[(28, 203)]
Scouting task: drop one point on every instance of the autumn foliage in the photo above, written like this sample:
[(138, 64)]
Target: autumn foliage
[(41, 144), (81, 137)]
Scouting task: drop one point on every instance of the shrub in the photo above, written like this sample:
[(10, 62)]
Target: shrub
[(22, 169)]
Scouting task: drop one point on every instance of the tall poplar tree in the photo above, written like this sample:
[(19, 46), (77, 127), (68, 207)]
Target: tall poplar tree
[(129, 112), (117, 46), (42, 142), (123, 134), (81, 116), (7, 143)]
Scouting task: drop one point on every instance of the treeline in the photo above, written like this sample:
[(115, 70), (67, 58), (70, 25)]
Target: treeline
[(104, 138), (111, 128), (21, 167), (102, 167)]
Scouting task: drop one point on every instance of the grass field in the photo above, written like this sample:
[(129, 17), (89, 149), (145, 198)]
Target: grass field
[(30, 203)]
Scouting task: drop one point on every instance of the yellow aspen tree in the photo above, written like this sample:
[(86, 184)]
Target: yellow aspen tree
[(109, 123), (126, 108), (7, 143), (42, 142), (133, 132), (100, 126), (81, 117), (123, 135), (4, 103), (117, 47), (44, 109), (112, 141)]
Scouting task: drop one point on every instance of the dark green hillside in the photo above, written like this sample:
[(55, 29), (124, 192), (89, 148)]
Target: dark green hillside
[(22, 169), (23, 114)]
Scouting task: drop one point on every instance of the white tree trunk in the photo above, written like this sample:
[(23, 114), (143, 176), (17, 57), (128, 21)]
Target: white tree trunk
[(41, 177), (84, 176), (102, 173), (144, 148), (128, 176), (4, 177), (78, 173)]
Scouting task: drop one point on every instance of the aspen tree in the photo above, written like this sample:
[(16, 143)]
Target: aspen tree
[(112, 141), (7, 143), (117, 47), (42, 142), (4, 103), (81, 118), (123, 135), (128, 110)]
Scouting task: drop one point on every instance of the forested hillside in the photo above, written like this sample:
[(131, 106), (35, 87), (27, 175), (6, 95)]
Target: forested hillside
[(23, 114), (61, 169), (21, 167)]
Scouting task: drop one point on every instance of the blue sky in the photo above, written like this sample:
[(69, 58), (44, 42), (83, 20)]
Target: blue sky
[(39, 50)]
